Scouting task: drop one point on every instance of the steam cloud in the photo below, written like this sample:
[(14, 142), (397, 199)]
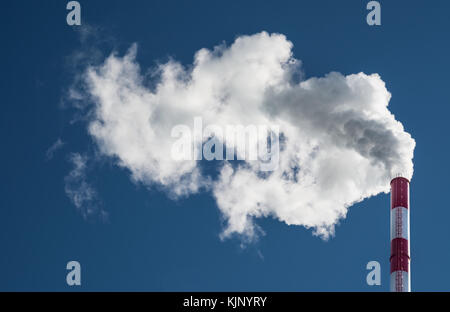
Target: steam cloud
[(340, 142)]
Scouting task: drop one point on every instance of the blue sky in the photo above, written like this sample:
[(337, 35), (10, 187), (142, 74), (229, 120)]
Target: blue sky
[(152, 243)]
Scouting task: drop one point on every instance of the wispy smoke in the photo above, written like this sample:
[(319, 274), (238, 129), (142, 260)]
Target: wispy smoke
[(340, 142), (54, 148), (80, 191)]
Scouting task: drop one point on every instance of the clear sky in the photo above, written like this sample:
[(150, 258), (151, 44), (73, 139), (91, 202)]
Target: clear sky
[(153, 243)]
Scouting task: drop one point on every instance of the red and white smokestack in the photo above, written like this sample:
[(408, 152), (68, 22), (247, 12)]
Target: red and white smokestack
[(400, 260)]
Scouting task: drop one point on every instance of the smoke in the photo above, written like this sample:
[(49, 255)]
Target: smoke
[(339, 142), (57, 145), (80, 191)]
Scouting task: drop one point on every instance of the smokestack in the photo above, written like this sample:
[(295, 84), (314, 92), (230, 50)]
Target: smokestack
[(400, 260)]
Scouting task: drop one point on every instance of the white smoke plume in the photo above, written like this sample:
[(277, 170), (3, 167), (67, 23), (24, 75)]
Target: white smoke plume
[(340, 142)]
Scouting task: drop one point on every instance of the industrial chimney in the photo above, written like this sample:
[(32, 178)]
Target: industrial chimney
[(400, 259)]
